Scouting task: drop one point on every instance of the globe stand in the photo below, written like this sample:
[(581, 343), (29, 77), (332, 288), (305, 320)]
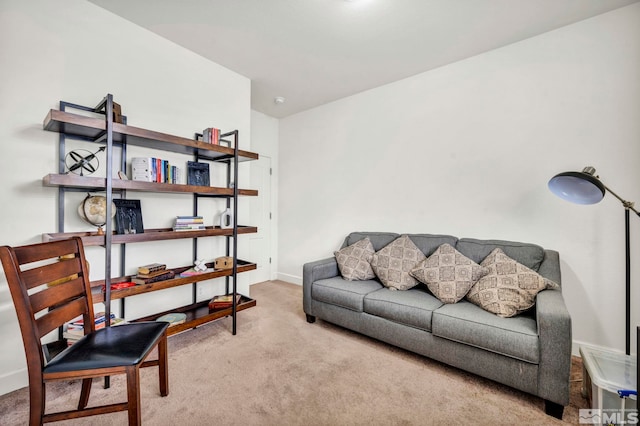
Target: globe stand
[(99, 220)]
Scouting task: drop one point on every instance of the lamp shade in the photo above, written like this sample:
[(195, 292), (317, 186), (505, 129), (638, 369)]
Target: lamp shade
[(578, 187)]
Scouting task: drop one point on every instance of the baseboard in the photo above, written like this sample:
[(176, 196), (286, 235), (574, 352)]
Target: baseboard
[(290, 278), (14, 381)]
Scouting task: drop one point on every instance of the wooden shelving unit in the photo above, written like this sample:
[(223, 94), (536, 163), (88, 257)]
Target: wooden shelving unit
[(199, 313), (98, 292), (104, 130), (94, 183), (160, 234), (92, 129)]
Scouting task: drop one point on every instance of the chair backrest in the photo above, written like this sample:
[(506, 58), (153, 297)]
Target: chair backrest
[(49, 284)]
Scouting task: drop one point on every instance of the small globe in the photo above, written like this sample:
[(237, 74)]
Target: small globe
[(93, 210)]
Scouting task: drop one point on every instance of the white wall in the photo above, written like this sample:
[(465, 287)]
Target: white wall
[(75, 51), (468, 149)]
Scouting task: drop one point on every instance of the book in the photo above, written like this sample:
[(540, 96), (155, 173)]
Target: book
[(223, 301), (119, 286), (189, 219), (166, 276), (128, 217), (173, 318), (211, 135), (191, 272), (193, 227), (188, 223), (78, 322), (72, 335), (151, 274), (152, 267)]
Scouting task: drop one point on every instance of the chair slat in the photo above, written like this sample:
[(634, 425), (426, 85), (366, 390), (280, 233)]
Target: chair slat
[(57, 317), (37, 252), (52, 296), (51, 272)]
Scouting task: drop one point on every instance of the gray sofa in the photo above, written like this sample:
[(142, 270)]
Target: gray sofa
[(530, 352)]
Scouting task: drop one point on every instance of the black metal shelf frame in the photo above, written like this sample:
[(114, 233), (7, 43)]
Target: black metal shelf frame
[(106, 108)]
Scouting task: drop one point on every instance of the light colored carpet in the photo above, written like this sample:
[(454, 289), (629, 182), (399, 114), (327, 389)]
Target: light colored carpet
[(280, 370)]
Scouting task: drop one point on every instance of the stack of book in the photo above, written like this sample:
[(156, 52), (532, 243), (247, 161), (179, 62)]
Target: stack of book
[(75, 328), (173, 318), (211, 135), (223, 301), (150, 169), (188, 223), (152, 273)]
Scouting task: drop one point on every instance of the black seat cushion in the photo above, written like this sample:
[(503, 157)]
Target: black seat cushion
[(123, 345)]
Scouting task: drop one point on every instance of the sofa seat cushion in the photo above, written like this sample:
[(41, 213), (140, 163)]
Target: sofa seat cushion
[(340, 292), (467, 323), (412, 307)]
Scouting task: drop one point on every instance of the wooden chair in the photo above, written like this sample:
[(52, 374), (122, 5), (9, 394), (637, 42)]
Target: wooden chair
[(43, 307)]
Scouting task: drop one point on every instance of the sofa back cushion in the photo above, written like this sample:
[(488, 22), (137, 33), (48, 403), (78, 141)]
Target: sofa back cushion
[(378, 239), (428, 243), (530, 255)]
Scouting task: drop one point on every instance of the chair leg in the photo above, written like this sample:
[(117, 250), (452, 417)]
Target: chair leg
[(37, 395), (133, 395), (84, 394), (163, 366)]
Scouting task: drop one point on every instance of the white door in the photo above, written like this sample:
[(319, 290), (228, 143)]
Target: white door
[(260, 243)]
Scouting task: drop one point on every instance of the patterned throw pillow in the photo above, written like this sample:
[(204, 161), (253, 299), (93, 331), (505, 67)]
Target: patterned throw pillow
[(448, 273), (510, 288), (394, 261), (353, 261)]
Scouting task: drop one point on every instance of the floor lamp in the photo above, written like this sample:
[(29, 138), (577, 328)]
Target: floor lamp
[(586, 188)]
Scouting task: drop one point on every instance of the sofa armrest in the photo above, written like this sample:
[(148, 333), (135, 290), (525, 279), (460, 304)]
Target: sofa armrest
[(554, 329), (313, 271)]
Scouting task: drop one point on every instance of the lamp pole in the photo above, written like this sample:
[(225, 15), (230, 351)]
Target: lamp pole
[(628, 205), (627, 245)]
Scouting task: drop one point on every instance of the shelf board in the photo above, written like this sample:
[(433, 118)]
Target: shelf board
[(160, 234), (199, 313), (98, 294), (96, 183), (91, 128)]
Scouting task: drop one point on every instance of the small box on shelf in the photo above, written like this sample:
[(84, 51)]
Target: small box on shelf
[(223, 301), (223, 262)]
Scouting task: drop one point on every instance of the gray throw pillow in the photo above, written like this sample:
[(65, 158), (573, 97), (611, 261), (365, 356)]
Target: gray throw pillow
[(510, 288), (393, 263), (353, 261), (448, 273)]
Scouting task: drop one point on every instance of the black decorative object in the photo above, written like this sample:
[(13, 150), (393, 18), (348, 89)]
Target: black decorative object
[(80, 161), (197, 173), (128, 217)]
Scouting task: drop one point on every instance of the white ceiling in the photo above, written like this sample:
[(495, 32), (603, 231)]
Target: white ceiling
[(315, 51)]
